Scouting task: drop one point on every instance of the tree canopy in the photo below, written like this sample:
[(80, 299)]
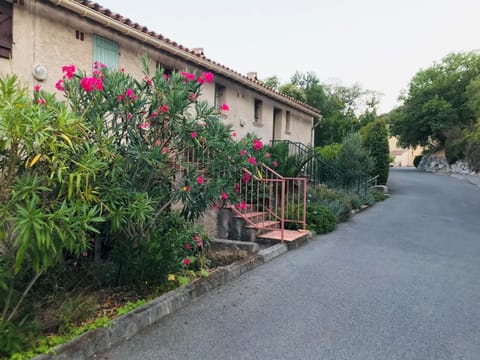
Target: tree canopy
[(442, 97), (344, 109)]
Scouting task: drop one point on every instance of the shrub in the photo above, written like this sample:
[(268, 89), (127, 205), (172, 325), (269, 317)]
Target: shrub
[(48, 192), (353, 157), (320, 219), (417, 160), (472, 149), (329, 152), (455, 145), (337, 201)]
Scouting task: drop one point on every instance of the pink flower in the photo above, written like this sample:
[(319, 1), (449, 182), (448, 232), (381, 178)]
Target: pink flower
[(144, 125), (97, 65), (130, 94), (69, 71), (148, 81), (91, 83), (187, 76), (224, 196), (120, 97), (268, 155), (237, 188), (186, 261), (242, 205), (164, 108), (275, 164), (246, 177), (243, 152), (165, 76), (257, 144), (224, 107), (98, 74), (208, 76), (59, 85), (194, 135), (192, 97), (200, 180), (36, 88), (187, 246), (234, 134), (201, 80), (129, 116), (195, 237), (252, 160), (154, 114), (41, 101), (200, 244), (122, 70)]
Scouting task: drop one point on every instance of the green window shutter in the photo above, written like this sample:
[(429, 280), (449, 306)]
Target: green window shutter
[(105, 51)]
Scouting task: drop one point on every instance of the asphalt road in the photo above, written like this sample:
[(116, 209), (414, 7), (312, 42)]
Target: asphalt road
[(398, 281)]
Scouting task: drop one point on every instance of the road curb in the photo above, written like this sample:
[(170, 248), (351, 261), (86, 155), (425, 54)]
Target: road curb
[(123, 328)]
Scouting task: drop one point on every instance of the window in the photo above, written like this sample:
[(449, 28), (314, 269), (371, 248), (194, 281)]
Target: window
[(258, 111), (6, 25), (105, 51), (219, 95), (287, 122)]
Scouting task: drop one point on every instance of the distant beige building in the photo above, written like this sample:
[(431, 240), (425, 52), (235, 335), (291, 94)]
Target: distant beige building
[(402, 156), (38, 37)]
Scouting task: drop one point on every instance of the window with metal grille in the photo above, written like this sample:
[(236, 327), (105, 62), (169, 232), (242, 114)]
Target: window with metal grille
[(105, 51), (6, 39)]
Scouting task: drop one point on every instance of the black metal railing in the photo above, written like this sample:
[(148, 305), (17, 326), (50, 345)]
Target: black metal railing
[(319, 171)]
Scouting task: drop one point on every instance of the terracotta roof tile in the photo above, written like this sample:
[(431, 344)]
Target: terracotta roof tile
[(126, 21)]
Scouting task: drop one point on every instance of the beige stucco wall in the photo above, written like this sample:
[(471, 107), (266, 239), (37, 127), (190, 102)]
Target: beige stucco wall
[(45, 34), (402, 156)]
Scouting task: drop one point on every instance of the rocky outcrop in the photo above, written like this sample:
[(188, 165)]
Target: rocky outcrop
[(438, 164)]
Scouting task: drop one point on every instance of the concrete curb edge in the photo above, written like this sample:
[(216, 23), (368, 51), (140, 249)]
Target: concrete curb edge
[(100, 340)]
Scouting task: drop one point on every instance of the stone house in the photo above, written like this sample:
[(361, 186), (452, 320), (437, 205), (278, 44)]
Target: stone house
[(402, 156), (38, 37)]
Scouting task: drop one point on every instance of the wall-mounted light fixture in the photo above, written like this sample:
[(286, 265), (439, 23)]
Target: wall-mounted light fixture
[(40, 72)]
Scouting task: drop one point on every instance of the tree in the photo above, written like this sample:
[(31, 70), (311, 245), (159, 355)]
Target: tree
[(272, 82), (344, 109), (375, 140), (437, 100)]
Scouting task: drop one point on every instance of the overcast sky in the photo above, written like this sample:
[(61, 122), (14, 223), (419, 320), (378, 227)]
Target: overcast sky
[(379, 44)]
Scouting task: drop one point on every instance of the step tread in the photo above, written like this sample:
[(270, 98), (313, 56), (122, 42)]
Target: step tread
[(263, 224), (251, 214)]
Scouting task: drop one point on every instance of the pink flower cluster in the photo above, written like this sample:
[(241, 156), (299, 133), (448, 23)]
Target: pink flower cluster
[(224, 107), (197, 240), (131, 94), (257, 144), (188, 76), (206, 77), (91, 83), (98, 65), (144, 126), (68, 71), (242, 205), (59, 85), (148, 81)]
